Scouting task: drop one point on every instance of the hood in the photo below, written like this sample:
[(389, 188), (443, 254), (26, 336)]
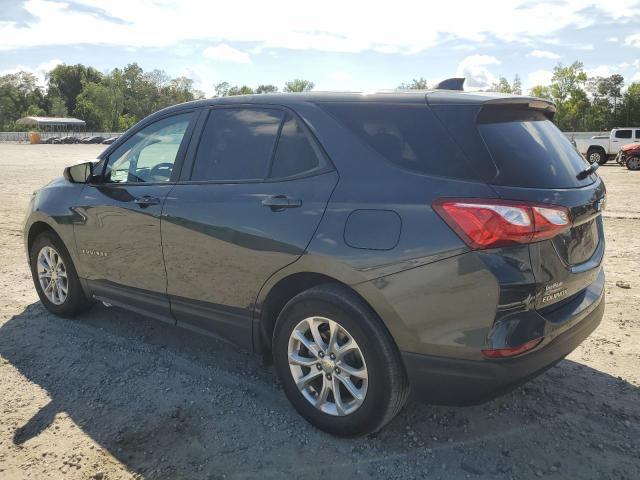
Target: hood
[(631, 147)]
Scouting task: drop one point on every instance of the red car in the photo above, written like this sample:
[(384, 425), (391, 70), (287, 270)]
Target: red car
[(629, 155)]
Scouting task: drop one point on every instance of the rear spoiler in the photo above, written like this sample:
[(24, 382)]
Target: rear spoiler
[(529, 103), (490, 101)]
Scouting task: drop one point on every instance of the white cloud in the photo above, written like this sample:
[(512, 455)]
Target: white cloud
[(539, 77), (613, 39), (634, 64), (599, 71), (474, 69), (633, 40), (636, 77), (225, 53), (544, 54), (147, 23), (39, 71)]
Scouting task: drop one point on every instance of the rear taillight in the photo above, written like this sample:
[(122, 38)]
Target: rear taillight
[(489, 223), (512, 351)]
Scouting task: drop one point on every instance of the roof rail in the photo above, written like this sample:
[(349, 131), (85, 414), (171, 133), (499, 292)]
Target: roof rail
[(455, 83)]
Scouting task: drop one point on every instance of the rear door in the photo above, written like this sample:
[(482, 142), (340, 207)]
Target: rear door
[(248, 206), (117, 230)]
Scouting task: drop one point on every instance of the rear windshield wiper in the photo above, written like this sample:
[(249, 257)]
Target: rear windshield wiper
[(588, 171)]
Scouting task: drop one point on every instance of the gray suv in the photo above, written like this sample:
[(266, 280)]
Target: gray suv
[(442, 243)]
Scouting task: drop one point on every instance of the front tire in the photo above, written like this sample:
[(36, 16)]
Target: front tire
[(597, 155), (55, 277), (337, 363), (633, 163)]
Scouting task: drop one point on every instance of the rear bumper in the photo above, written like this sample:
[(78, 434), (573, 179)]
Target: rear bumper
[(449, 381)]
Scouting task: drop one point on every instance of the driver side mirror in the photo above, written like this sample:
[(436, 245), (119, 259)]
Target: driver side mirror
[(80, 173)]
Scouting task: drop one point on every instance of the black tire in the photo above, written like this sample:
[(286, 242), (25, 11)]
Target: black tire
[(633, 163), (597, 155), (388, 387), (76, 300)]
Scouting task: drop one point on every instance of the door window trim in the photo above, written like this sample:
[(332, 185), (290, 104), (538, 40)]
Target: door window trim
[(180, 155), (189, 164)]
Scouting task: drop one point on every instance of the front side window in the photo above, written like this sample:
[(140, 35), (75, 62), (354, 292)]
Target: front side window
[(623, 134), (237, 144), (150, 154), (637, 134)]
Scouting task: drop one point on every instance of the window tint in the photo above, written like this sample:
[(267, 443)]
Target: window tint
[(529, 150), (149, 155), (623, 134), (407, 135), (637, 134), (237, 144), (296, 152)]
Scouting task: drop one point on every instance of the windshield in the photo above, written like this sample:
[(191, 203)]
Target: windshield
[(529, 150)]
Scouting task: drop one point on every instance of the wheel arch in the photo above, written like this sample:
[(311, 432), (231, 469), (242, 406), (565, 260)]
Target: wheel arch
[(38, 227), (277, 296)]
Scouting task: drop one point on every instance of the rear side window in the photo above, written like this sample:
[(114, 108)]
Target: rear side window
[(237, 144), (409, 136), (529, 151), (623, 134), (296, 152)]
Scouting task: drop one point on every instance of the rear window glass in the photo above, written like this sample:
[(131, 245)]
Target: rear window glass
[(529, 150), (410, 136)]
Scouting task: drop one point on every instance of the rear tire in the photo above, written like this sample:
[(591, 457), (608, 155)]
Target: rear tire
[(55, 277), (370, 379), (633, 163)]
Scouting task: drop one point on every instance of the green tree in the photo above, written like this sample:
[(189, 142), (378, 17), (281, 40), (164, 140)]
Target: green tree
[(267, 89), (569, 96), (299, 85), (540, 91), (243, 90), (66, 82), (516, 85), (222, 89), (20, 95), (415, 84)]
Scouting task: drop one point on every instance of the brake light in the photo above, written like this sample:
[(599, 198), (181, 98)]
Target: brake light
[(489, 223), (511, 352)]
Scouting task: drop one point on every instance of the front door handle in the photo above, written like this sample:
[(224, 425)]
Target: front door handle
[(279, 202), (147, 201)]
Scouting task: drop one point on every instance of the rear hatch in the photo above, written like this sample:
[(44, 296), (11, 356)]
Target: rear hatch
[(531, 160)]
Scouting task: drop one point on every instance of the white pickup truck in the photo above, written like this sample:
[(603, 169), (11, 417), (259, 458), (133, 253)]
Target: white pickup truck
[(602, 148)]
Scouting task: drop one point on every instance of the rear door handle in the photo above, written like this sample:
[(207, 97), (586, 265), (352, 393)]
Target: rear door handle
[(147, 201), (280, 202)]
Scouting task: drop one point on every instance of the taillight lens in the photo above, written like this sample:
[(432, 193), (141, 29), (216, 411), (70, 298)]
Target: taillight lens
[(490, 223), (512, 351)]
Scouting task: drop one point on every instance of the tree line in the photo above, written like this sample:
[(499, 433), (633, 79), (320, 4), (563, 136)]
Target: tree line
[(116, 100), (112, 101)]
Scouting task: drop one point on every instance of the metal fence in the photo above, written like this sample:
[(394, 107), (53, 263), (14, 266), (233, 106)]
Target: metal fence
[(23, 137)]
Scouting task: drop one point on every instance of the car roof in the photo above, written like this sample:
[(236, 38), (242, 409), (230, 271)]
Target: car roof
[(391, 96), (430, 97)]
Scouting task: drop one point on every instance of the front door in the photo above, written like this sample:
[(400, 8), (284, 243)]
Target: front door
[(118, 231), (259, 187)]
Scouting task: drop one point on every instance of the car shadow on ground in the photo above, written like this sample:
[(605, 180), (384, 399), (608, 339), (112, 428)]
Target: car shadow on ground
[(168, 403)]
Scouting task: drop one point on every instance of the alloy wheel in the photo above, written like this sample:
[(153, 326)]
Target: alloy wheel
[(328, 366), (52, 275)]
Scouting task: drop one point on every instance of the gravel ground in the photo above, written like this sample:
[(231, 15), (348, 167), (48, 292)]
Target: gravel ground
[(113, 395)]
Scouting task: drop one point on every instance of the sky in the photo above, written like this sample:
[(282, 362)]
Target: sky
[(339, 45)]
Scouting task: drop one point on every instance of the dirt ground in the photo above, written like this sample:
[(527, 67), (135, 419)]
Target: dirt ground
[(113, 395)]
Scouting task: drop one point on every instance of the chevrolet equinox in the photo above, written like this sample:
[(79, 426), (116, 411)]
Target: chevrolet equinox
[(443, 243)]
